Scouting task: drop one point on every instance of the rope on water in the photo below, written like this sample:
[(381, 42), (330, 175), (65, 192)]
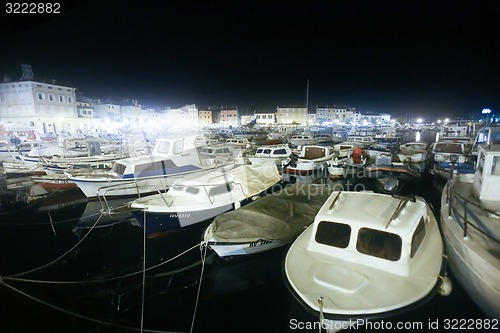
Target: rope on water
[(52, 224), (203, 254), (14, 278), (98, 321), (62, 256)]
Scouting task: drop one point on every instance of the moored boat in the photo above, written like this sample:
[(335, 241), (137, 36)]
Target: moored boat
[(444, 154), (268, 223), (171, 159), (470, 215), (274, 153), (202, 197), (366, 256), (309, 161)]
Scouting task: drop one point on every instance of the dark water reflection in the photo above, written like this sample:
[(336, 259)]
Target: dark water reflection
[(240, 295)]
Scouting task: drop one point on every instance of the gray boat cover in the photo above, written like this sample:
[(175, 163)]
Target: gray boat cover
[(278, 216)]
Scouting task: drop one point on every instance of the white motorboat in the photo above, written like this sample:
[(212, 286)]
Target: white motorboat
[(309, 161), (362, 141), (324, 138), (413, 152), (366, 256), (344, 149), (268, 223), (344, 168), (470, 222), (276, 154), (303, 139), (445, 153), (202, 197), (172, 158)]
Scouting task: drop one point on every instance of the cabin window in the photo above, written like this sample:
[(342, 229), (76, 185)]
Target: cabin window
[(178, 147), (192, 190), (333, 234), (226, 150), (480, 163), (177, 188), (267, 151), (259, 151), (495, 167), (164, 147), (379, 244), (221, 189), (418, 237), (281, 151), (119, 168)]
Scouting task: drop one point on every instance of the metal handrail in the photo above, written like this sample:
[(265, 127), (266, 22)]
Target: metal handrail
[(464, 202)]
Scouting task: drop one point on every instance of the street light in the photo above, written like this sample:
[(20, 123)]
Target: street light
[(486, 112)]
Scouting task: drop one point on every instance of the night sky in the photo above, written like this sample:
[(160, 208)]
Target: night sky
[(433, 59)]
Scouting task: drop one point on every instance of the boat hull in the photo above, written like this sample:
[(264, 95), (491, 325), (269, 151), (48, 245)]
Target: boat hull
[(476, 269), (157, 223)]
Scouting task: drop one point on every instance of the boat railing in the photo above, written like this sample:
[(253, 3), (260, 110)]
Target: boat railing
[(453, 198), (229, 187), (136, 187)]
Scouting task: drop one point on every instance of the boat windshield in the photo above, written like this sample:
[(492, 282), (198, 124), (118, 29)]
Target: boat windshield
[(448, 148), (333, 234), (221, 189), (164, 147), (281, 151), (118, 169), (418, 237), (379, 244)]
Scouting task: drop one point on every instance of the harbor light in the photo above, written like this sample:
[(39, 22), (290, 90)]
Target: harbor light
[(486, 111)]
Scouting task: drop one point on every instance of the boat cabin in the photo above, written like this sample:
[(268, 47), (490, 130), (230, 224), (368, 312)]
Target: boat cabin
[(316, 152), (169, 156), (362, 141), (278, 151), (487, 176), (240, 142), (213, 152), (373, 230)]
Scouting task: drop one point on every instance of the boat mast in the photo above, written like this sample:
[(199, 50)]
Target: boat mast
[(307, 96)]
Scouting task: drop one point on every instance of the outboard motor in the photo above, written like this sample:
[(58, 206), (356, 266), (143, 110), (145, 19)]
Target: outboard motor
[(291, 160)]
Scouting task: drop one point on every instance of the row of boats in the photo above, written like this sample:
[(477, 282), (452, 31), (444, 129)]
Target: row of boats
[(351, 254)]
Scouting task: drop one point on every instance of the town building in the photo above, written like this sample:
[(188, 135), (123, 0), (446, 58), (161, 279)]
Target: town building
[(47, 107), (265, 118), (292, 115)]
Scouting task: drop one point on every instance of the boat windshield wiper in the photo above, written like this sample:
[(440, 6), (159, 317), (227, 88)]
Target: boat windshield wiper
[(335, 200), (402, 204)]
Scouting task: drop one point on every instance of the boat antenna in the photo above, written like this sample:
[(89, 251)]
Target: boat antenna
[(335, 200)]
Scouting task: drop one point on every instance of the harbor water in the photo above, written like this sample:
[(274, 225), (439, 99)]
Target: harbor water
[(69, 266)]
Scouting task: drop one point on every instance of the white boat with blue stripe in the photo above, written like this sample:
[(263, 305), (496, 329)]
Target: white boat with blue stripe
[(171, 159)]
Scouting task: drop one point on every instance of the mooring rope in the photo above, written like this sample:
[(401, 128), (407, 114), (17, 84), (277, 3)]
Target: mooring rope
[(54, 222), (143, 271), (62, 256), (98, 321), (14, 278), (203, 246)]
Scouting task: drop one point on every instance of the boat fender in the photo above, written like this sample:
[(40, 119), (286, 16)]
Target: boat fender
[(446, 286)]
